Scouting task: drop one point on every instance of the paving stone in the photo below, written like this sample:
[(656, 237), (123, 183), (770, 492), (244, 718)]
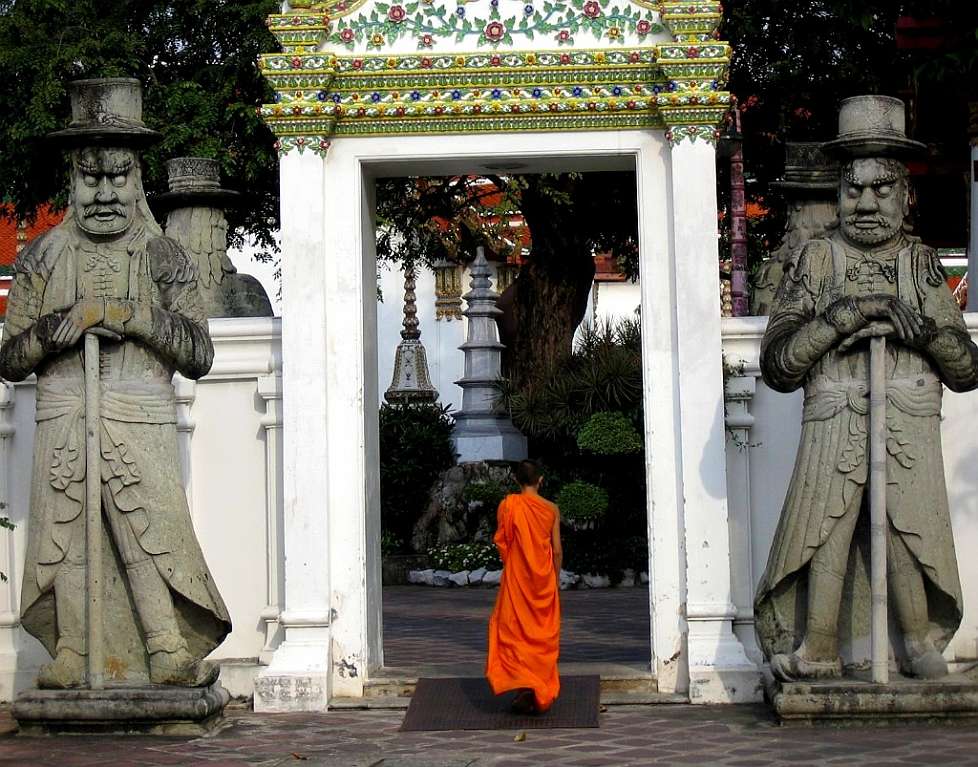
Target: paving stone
[(415, 616), (730, 736)]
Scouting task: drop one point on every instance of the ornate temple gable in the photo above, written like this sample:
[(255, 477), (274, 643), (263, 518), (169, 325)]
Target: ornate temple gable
[(363, 67)]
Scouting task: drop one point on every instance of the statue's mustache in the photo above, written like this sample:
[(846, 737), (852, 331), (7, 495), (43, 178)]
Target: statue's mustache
[(116, 209), (861, 218)]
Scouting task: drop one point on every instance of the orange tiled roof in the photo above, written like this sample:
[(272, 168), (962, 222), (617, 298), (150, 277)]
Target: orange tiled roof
[(14, 237)]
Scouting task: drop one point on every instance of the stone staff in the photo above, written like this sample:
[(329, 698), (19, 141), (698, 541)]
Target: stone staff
[(877, 507), (93, 511), (93, 505), (879, 630)]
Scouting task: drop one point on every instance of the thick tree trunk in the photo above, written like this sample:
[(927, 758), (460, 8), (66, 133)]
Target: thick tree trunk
[(552, 290)]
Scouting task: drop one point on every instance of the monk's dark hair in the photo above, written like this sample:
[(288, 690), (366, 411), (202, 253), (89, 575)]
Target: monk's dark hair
[(527, 473)]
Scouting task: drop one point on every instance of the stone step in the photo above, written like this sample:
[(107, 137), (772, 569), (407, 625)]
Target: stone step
[(609, 698), (618, 682), (372, 703)]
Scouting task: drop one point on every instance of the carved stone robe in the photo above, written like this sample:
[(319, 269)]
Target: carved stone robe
[(831, 468), (140, 462)]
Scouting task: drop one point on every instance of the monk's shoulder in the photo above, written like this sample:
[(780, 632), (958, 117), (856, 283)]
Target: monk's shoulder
[(550, 506)]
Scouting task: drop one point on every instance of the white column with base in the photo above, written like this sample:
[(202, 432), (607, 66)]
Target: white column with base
[(270, 390), (297, 679), (719, 669), (9, 612), (352, 422), (741, 385)]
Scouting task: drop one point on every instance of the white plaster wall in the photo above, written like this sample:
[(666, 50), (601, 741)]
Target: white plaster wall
[(441, 338), (235, 508), (773, 442), (613, 301)]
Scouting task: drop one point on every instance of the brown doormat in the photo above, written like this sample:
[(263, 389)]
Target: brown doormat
[(467, 703)]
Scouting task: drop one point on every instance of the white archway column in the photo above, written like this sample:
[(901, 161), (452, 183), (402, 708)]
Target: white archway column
[(297, 679), (719, 669)]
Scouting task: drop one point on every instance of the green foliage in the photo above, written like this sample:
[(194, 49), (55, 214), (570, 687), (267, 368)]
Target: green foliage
[(592, 399), (487, 494), (603, 374), (196, 59), (415, 447), (390, 544), (456, 557), (609, 434), (582, 502)]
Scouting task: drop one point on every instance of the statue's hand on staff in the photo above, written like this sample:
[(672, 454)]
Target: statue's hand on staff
[(117, 313), (83, 315), (872, 330), (909, 327)]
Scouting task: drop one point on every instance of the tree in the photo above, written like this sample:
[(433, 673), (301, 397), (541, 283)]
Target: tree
[(569, 216), (196, 59)]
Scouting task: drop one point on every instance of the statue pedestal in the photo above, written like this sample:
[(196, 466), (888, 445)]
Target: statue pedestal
[(856, 699), (151, 710)]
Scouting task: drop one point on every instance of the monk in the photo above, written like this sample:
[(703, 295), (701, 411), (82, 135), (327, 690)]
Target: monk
[(524, 630)]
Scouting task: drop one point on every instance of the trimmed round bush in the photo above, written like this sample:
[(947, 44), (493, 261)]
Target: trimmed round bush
[(609, 433), (582, 503)]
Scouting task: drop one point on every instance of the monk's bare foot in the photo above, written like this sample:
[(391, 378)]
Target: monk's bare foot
[(65, 671), (524, 703), (789, 668), (923, 660)]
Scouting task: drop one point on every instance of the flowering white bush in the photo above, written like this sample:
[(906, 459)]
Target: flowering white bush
[(456, 557)]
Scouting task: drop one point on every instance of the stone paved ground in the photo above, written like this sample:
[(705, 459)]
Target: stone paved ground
[(429, 626), (728, 736), (432, 626)]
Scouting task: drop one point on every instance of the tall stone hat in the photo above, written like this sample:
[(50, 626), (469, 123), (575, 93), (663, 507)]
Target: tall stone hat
[(873, 126), (106, 111), (808, 171), (194, 182)]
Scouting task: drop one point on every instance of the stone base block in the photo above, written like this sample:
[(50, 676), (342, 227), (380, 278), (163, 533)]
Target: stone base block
[(725, 685), (152, 710), (289, 693), (857, 700), (505, 446), (238, 676)]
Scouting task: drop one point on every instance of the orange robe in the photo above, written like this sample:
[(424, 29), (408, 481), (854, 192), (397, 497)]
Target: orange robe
[(524, 630)]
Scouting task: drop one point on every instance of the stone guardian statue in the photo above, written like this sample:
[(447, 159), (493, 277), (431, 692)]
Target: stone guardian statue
[(108, 266), (868, 277), (194, 209), (810, 187)]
